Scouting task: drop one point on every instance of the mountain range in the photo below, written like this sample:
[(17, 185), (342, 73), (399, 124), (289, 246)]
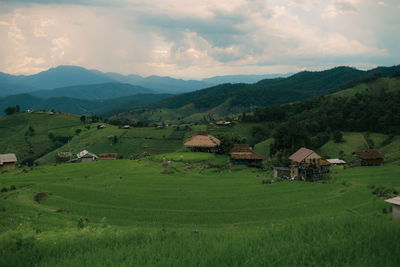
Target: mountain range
[(67, 76)]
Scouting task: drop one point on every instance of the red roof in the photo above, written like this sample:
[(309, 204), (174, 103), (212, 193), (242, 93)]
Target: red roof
[(301, 154)]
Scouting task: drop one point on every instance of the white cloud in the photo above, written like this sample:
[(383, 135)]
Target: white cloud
[(341, 7), (202, 38)]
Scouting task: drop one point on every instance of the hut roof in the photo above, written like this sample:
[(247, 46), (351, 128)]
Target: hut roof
[(395, 200), (336, 161), (243, 151), (108, 155), (85, 154), (369, 154), (6, 158), (202, 139), (64, 154), (303, 153), (300, 154)]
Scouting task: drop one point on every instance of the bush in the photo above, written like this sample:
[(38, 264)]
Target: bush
[(16, 240)]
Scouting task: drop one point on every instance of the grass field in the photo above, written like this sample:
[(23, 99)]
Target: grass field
[(202, 212), (353, 142), (14, 137)]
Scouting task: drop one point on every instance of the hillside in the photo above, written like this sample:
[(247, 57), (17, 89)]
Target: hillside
[(15, 136), (228, 99), (79, 106)]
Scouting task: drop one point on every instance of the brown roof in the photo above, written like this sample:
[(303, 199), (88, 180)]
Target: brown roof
[(202, 139), (241, 148), (243, 151), (300, 154), (246, 155), (369, 154), (6, 158), (108, 156)]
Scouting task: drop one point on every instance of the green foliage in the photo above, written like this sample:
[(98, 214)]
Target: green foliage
[(337, 136), (11, 110), (228, 140), (289, 137)]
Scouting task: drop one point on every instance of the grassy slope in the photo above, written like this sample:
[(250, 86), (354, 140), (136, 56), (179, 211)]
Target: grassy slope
[(130, 142), (353, 142), (263, 147), (137, 213), (389, 84), (13, 129)]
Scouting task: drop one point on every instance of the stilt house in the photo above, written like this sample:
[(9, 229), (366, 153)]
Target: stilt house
[(307, 164)]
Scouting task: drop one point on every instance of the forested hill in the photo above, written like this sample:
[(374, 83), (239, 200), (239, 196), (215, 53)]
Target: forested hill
[(297, 87)]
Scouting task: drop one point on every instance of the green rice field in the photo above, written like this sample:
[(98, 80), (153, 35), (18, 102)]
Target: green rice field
[(197, 211)]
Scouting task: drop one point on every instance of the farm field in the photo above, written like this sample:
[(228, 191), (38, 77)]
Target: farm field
[(203, 212), (16, 138)]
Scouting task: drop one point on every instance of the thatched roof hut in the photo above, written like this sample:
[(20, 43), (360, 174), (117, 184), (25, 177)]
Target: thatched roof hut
[(243, 152), (203, 141), (7, 161)]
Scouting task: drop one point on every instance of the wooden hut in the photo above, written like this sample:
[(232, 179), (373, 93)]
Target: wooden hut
[(203, 142), (86, 156), (7, 161), (308, 164), (108, 156), (369, 157), (242, 154)]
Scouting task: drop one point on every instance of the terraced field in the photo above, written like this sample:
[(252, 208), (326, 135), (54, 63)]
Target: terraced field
[(195, 211)]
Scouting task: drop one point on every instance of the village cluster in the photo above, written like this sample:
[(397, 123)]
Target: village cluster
[(304, 164)]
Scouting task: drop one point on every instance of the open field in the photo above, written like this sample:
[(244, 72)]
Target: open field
[(15, 138), (389, 146), (203, 212)]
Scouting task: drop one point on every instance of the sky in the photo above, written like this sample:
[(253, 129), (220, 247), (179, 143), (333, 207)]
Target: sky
[(198, 39)]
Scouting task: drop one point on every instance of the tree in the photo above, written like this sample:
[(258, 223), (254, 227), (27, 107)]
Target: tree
[(78, 131), (10, 110), (338, 136), (83, 118), (17, 108), (289, 137)]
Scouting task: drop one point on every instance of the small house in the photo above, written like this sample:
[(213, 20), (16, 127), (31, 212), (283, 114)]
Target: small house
[(242, 154), (395, 207), (108, 156), (203, 142), (220, 123), (369, 157), (308, 164), (8, 161), (336, 161), (101, 126), (126, 127), (86, 156), (281, 172)]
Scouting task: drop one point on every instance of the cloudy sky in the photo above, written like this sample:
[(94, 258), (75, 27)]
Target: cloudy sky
[(196, 39)]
